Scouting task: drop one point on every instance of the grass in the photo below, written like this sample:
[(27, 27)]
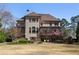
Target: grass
[(39, 49)]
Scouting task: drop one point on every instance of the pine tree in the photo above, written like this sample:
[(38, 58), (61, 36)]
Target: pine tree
[(77, 32)]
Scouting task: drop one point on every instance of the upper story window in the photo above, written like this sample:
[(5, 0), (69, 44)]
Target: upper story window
[(37, 19), (50, 24), (56, 24), (33, 19), (22, 30), (29, 19)]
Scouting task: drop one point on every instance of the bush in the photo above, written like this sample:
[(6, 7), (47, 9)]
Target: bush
[(2, 37), (69, 40), (9, 38), (20, 41)]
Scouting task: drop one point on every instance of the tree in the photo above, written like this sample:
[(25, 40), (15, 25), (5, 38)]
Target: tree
[(7, 19), (0, 23), (77, 32), (65, 29), (2, 35), (74, 25), (74, 21), (64, 23)]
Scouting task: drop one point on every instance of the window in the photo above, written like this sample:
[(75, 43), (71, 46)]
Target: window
[(56, 24), (33, 29), (37, 29), (22, 29), (33, 19), (29, 19), (37, 19), (54, 30), (29, 29), (50, 24)]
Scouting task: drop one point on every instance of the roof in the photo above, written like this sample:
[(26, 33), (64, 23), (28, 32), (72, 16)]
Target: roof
[(20, 20), (48, 17), (44, 17), (32, 14)]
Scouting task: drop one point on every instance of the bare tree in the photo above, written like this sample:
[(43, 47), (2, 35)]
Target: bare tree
[(7, 19)]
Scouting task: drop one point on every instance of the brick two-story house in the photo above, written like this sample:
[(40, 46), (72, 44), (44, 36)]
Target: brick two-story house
[(36, 26)]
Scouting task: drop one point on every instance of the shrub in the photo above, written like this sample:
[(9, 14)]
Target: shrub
[(23, 41), (9, 38), (69, 40), (20, 41), (12, 42), (77, 32), (2, 37)]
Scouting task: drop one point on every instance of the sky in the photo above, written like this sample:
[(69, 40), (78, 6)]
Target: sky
[(59, 10)]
